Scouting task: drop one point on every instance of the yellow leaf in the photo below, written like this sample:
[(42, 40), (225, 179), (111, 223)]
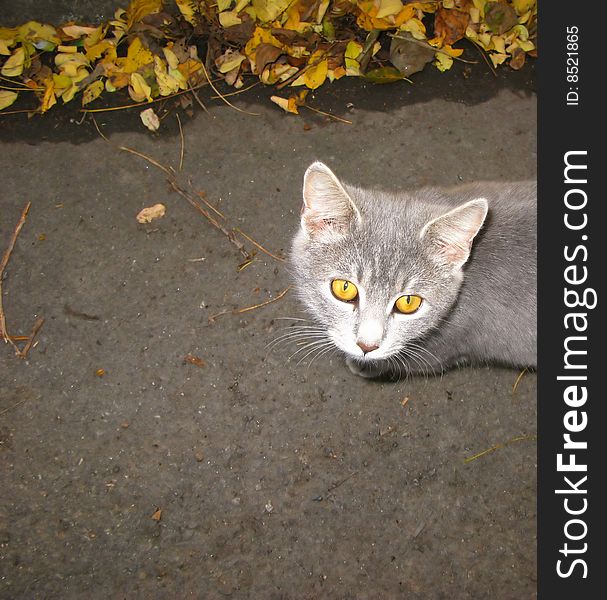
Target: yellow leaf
[(95, 51), (229, 18), (35, 32), (61, 82), (353, 51), (451, 51), (77, 31), (523, 6), (388, 7), (223, 5), (4, 47), (171, 58), (415, 27), (7, 98), (139, 90), (92, 92), (67, 49), (189, 67), (13, 67), (138, 9), (70, 64), (443, 62), (498, 44), (166, 84), (137, 56), (229, 60), (269, 10), (315, 76), (287, 104), (188, 9), (49, 99), (497, 58)]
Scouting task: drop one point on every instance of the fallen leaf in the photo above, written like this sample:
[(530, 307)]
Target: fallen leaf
[(157, 515), (7, 98), (137, 56), (147, 215), (229, 60), (13, 67), (77, 31), (138, 9), (266, 54), (315, 76), (408, 55), (92, 92), (229, 18), (450, 25), (139, 90), (194, 360), (287, 104), (500, 17), (189, 9), (384, 75)]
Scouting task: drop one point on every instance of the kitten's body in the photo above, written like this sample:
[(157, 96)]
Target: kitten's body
[(480, 311)]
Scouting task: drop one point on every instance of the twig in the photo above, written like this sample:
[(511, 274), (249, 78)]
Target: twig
[(229, 234), (341, 482), (5, 259), (257, 245), (150, 160), (518, 379), (146, 102), (223, 98), (13, 406), (35, 329), (521, 438), (171, 179), (241, 91), (215, 210), (477, 46), (326, 114), (182, 150), (196, 97), (237, 311)]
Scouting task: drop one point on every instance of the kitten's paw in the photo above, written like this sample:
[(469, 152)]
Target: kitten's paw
[(362, 370)]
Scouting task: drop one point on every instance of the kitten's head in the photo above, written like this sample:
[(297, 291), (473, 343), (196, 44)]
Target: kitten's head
[(378, 271)]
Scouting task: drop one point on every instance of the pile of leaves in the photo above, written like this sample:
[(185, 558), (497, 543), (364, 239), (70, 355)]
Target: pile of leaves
[(154, 53)]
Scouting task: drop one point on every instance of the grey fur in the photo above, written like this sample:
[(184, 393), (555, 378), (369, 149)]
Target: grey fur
[(483, 311)]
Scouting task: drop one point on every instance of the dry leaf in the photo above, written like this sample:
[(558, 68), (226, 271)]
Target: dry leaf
[(157, 515), (147, 215), (13, 67), (194, 360), (7, 98), (450, 25)]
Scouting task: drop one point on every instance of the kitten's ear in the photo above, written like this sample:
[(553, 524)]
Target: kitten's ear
[(453, 232), (327, 207)]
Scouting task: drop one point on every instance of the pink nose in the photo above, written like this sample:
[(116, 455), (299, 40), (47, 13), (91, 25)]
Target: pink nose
[(366, 348)]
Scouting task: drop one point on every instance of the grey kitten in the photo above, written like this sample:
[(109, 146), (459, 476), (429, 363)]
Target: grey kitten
[(415, 282)]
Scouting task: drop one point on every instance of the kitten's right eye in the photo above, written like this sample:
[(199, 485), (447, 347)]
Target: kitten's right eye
[(344, 290)]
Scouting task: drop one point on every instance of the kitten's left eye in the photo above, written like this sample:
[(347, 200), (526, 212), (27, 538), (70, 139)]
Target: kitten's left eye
[(344, 290), (408, 304)]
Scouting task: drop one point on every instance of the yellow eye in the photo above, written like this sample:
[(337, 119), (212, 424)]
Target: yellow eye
[(408, 304), (344, 290)]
